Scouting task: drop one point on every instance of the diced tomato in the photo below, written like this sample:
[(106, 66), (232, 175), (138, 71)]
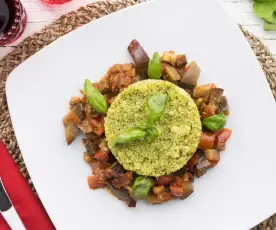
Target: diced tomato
[(208, 111), (181, 189), (207, 140), (99, 165), (192, 162), (164, 180), (96, 181), (98, 125), (221, 138), (177, 189), (101, 155)]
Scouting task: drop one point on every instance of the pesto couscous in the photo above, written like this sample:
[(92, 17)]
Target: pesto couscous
[(179, 128), (149, 128)]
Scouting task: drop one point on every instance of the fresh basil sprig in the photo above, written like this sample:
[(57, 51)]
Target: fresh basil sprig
[(215, 122), (130, 136), (95, 99), (154, 109)]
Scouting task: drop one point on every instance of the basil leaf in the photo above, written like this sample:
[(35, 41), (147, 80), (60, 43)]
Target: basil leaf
[(95, 99), (155, 67), (130, 136), (142, 186), (155, 108), (152, 134), (215, 122)]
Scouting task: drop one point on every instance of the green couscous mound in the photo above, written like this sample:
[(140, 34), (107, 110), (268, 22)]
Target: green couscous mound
[(179, 127)]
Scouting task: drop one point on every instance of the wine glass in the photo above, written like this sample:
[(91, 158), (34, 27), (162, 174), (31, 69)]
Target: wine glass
[(55, 2), (12, 21)]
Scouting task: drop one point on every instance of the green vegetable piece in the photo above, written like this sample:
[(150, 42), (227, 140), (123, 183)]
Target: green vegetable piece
[(142, 186), (130, 136), (155, 67), (155, 108), (95, 99), (215, 122), (152, 134), (269, 26), (265, 10)]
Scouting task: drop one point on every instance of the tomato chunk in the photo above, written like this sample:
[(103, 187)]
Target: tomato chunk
[(98, 125), (221, 138), (101, 155), (207, 140), (164, 180)]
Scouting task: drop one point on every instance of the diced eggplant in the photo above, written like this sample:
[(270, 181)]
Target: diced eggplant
[(181, 189), (160, 198), (75, 115), (206, 97), (188, 177), (115, 170), (71, 132), (181, 61), (89, 146), (216, 96), (190, 74), (169, 57), (202, 166), (121, 194), (200, 91), (188, 189), (123, 180), (198, 101), (139, 56), (212, 155), (171, 72), (103, 145), (93, 137), (88, 158), (158, 189), (224, 106), (85, 126), (187, 88), (74, 101)]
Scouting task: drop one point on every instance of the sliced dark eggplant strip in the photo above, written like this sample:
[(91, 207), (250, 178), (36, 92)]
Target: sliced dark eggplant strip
[(121, 194), (139, 56)]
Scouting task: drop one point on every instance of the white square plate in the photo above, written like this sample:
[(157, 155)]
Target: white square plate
[(236, 194)]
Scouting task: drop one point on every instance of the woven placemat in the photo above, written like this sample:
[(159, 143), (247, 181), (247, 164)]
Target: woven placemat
[(66, 24)]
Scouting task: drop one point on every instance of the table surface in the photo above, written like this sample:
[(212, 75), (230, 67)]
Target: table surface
[(40, 15)]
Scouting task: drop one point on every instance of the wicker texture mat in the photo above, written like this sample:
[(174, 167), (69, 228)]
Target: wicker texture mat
[(66, 24)]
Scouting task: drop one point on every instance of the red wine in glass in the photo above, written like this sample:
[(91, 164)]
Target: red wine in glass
[(55, 2), (12, 21)]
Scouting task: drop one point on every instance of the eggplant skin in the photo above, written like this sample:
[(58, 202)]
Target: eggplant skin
[(121, 194), (71, 132), (139, 56)]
